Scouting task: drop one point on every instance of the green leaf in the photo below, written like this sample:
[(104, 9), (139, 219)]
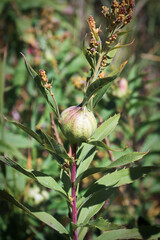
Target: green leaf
[(111, 54), (102, 91), (123, 32), (106, 128), (27, 130), (91, 171), (102, 224), (85, 158), (46, 93), (86, 54), (53, 146), (82, 233), (46, 141), (144, 232), (101, 144), (86, 152), (127, 158), (95, 87), (118, 178), (121, 46), (118, 70), (43, 179), (89, 210), (100, 94), (42, 216), (102, 189)]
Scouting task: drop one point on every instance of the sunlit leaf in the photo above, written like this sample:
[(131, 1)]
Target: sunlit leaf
[(121, 46), (127, 158), (54, 146), (118, 178), (111, 54), (124, 160), (42, 216), (46, 141), (102, 91), (87, 152), (106, 128), (102, 224), (143, 232), (27, 130), (103, 145), (43, 179), (96, 86), (90, 208)]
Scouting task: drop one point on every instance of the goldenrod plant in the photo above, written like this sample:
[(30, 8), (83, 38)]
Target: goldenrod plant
[(86, 132)]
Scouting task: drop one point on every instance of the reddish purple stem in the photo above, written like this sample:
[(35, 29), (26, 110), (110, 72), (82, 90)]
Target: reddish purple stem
[(74, 209)]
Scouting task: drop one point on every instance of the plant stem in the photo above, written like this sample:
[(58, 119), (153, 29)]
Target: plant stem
[(73, 178), (97, 69)]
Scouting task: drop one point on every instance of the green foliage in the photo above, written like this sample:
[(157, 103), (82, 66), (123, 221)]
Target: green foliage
[(43, 179), (45, 92), (144, 232), (113, 188), (42, 216)]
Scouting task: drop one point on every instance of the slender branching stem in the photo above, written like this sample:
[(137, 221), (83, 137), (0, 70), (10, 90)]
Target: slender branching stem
[(58, 113), (97, 68), (54, 128), (73, 178)]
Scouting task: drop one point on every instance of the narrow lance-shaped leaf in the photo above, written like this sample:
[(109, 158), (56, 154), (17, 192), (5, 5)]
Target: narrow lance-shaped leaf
[(43, 179), (143, 232), (102, 224), (86, 151), (100, 191), (127, 158), (49, 143), (104, 146), (102, 91), (53, 146), (123, 160), (121, 46), (27, 130), (46, 93), (123, 32), (42, 216), (89, 210), (111, 54), (106, 127), (86, 54), (95, 87), (118, 178)]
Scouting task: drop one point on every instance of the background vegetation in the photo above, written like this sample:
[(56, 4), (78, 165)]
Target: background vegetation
[(50, 34)]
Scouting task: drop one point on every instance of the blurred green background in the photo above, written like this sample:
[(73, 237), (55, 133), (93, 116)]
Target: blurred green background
[(50, 33)]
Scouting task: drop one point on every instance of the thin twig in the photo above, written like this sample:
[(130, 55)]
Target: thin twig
[(54, 128)]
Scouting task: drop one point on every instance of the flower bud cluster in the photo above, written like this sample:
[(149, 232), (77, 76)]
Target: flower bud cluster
[(95, 41), (44, 79), (116, 18)]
